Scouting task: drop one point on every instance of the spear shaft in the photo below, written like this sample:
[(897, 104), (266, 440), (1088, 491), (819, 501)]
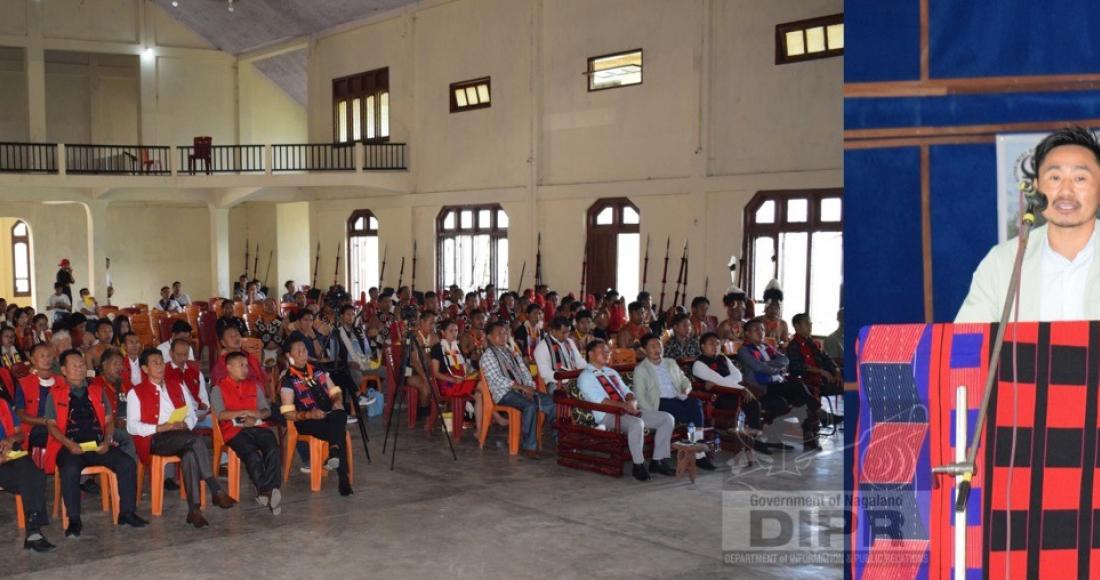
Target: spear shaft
[(316, 264), (645, 263), (664, 275)]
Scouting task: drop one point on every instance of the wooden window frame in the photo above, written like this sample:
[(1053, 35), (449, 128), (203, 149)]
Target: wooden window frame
[(372, 83), (494, 231), (592, 61), (352, 232), (455, 108), (619, 204), (781, 31), (15, 239), (781, 225)]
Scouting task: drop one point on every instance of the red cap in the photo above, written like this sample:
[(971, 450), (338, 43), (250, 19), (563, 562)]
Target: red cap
[(64, 263)]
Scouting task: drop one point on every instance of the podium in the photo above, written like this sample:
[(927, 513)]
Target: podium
[(1034, 507)]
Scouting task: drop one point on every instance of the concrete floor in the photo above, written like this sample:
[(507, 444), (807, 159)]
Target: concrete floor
[(487, 515)]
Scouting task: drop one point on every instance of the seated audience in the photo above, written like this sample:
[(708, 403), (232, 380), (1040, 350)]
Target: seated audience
[(241, 410), (631, 333), (599, 383), (166, 302), (310, 399), (149, 406), (178, 295), (230, 340), (557, 352), (186, 373), (81, 427), (110, 380), (20, 475), (181, 330), (660, 385), (766, 371), (681, 344), (227, 318), (510, 385), (30, 400)]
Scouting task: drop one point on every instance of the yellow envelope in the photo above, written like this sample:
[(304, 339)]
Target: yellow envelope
[(89, 446), (178, 415), (14, 454)]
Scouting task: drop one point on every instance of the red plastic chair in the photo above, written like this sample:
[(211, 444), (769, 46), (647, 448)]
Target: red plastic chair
[(200, 152)]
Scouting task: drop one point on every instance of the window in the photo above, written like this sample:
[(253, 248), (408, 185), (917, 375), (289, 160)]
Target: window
[(809, 39), (362, 252), (468, 95), (615, 70), (795, 237), (21, 258), (614, 247), (361, 106), (472, 247)]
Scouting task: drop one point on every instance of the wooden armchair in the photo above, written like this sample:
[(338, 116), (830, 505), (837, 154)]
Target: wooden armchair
[(581, 443)]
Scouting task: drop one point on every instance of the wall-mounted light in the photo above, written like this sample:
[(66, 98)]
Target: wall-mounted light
[(148, 53), (175, 4)]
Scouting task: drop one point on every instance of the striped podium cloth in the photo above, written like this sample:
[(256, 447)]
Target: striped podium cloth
[(1034, 506)]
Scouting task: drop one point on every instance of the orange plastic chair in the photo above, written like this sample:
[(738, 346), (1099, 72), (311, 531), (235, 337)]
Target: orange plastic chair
[(624, 356), (106, 311), (318, 453), (234, 467), (515, 429), (254, 347), (140, 307), (238, 308), (20, 518), (156, 482), (255, 309), (108, 486)]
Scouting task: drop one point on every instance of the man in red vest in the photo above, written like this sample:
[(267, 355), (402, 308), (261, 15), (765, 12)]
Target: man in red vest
[(241, 410), (149, 406), (81, 426), (186, 372), (131, 366), (30, 401), (110, 380), (230, 339), (20, 475)]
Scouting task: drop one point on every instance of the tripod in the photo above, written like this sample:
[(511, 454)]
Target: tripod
[(399, 379)]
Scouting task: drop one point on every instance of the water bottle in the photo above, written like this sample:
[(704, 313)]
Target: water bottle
[(691, 432), (717, 442), (741, 422)]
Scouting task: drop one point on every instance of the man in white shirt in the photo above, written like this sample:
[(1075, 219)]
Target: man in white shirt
[(180, 330), (177, 294), (131, 367), (149, 406), (599, 383), (1060, 275), (58, 304), (166, 303), (557, 352)]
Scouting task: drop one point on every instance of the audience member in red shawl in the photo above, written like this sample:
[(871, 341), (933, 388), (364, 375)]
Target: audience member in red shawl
[(701, 322), (635, 328), (810, 364), (230, 339), (557, 352), (149, 406)]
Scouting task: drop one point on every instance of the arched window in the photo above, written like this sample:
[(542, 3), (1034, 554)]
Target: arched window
[(795, 236), (472, 247), (21, 258), (362, 252), (614, 247)]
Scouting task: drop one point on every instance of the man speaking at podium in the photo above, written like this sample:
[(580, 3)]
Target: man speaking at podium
[(1061, 272)]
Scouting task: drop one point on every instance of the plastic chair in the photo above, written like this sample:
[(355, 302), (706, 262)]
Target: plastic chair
[(233, 468), (318, 454), (515, 428), (238, 308), (20, 518), (200, 151), (156, 482), (621, 356), (108, 489)]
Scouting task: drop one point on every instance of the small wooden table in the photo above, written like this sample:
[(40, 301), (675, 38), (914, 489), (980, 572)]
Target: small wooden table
[(685, 458)]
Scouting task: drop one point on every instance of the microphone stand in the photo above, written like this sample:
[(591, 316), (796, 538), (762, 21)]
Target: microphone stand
[(963, 471)]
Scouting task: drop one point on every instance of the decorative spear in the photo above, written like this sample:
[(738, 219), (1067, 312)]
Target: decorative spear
[(401, 274), (522, 273), (316, 264), (664, 276), (584, 272), (687, 263), (336, 273), (645, 263), (414, 267), (255, 262), (246, 256), (382, 270), (267, 275), (538, 262), (680, 275)]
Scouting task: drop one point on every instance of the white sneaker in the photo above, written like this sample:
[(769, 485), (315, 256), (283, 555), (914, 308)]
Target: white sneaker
[(332, 464), (351, 419), (262, 500), (304, 469), (276, 502), (365, 401)]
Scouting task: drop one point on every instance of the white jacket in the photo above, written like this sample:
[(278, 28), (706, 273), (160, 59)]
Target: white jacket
[(989, 286)]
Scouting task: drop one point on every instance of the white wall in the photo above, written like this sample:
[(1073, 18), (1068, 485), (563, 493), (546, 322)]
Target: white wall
[(268, 114), (13, 95)]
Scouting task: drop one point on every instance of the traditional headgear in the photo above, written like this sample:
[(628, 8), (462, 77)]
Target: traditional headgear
[(773, 291), (64, 263)]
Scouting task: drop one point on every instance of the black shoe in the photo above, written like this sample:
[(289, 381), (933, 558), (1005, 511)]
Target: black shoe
[(131, 519), (89, 486), (761, 447), (345, 489), (705, 463), (662, 467), (73, 531), (640, 472), (171, 485), (811, 445), (38, 544), (782, 446)]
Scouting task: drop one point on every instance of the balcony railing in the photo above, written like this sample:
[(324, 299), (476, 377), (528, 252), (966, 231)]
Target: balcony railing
[(155, 160), (313, 157), (382, 156), (117, 159), (28, 157), (222, 159)]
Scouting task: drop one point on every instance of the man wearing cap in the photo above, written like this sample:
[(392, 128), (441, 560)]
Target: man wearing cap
[(65, 278)]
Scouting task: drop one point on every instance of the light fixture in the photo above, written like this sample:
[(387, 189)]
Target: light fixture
[(148, 52), (175, 4), (230, 7)]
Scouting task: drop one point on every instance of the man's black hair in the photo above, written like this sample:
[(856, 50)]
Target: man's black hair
[(143, 360), (699, 300), (799, 318), (1075, 135), (181, 326), (68, 353)]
